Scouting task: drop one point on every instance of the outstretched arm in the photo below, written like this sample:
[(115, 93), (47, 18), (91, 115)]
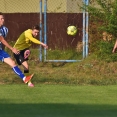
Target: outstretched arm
[(44, 45), (34, 40), (7, 45)]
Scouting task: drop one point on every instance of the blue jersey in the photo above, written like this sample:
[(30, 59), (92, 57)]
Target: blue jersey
[(3, 54), (3, 32)]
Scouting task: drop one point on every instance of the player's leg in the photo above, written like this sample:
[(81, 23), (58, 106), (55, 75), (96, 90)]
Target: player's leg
[(23, 61), (26, 72), (16, 70), (5, 57)]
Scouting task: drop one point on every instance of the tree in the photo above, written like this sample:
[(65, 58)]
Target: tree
[(105, 14)]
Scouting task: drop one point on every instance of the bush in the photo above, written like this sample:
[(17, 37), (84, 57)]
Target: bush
[(103, 51)]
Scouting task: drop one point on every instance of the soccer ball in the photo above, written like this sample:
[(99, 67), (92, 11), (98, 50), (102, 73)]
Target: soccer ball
[(72, 30)]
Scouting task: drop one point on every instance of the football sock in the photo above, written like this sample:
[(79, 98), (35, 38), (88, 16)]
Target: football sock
[(18, 72), (26, 71)]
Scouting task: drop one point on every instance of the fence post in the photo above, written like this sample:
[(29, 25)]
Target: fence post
[(45, 27), (87, 24), (40, 30), (84, 36), (85, 30)]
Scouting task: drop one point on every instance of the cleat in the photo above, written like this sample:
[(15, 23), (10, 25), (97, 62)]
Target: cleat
[(30, 85), (28, 78)]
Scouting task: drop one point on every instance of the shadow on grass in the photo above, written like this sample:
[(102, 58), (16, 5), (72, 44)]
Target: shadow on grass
[(57, 110)]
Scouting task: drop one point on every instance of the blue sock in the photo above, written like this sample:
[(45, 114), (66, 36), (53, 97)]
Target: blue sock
[(18, 72)]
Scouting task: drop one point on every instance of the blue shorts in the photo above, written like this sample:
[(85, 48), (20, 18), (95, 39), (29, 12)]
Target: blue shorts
[(3, 55)]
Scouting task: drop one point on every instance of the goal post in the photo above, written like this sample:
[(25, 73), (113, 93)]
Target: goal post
[(85, 23)]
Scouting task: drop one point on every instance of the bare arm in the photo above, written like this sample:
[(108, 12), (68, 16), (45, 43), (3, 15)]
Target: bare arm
[(44, 45), (115, 46), (7, 45)]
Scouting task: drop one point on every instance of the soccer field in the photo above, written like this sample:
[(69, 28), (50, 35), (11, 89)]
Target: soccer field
[(58, 101)]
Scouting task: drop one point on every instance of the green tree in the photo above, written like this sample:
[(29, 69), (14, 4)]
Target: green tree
[(102, 15), (105, 14)]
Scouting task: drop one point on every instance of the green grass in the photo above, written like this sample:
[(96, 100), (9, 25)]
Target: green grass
[(58, 101), (90, 71), (64, 55), (82, 89)]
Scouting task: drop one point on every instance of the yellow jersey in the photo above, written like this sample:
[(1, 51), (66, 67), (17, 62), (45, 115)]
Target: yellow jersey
[(25, 40)]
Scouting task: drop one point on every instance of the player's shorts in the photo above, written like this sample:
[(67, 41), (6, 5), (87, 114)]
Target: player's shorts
[(20, 57), (3, 55)]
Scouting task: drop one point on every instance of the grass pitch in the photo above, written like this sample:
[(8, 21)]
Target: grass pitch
[(58, 101)]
